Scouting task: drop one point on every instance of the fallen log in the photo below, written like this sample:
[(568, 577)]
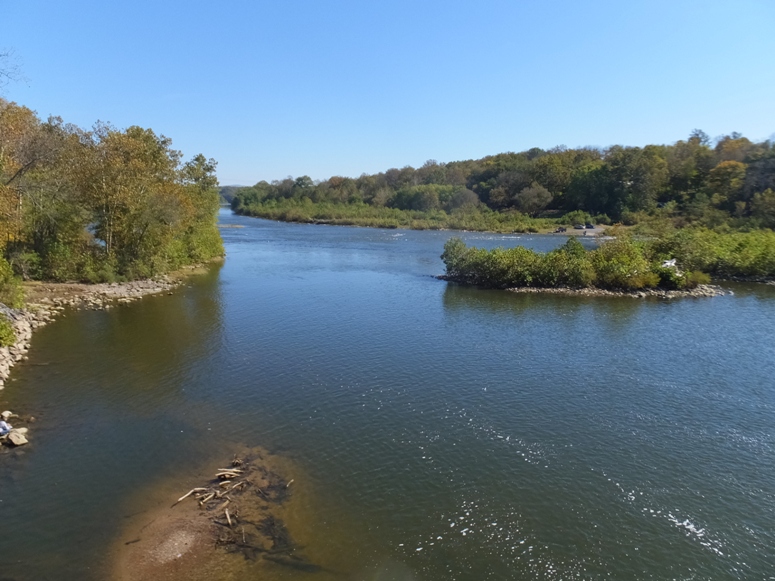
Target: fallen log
[(189, 493)]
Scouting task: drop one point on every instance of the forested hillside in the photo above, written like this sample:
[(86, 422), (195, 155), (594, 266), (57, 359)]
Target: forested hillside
[(102, 204), (728, 182)]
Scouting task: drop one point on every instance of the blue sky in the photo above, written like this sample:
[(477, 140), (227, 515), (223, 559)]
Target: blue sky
[(326, 87)]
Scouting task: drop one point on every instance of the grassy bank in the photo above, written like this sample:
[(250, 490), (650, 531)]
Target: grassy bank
[(345, 214)]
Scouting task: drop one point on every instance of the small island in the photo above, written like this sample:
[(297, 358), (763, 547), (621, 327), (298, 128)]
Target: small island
[(620, 265)]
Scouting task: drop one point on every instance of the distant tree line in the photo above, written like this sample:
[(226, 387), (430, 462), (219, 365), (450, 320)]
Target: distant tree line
[(102, 204), (730, 181)]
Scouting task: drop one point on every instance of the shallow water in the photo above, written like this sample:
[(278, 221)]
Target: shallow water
[(443, 432)]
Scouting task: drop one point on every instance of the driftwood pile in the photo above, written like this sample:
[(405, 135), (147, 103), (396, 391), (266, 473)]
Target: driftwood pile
[(240, 502)]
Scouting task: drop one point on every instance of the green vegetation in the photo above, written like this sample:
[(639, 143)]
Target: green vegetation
[(620, 263), (728, 184), (7, 334), (361, 214), (748, 255), (100, 205)]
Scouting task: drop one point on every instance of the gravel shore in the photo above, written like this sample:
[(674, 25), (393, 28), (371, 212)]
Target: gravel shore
[(702, 290)]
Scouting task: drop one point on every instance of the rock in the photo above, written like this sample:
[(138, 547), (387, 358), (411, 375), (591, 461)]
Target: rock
[(6, 414), (16, 438)]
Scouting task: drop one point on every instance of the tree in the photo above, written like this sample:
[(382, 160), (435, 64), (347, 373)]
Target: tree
[(639, 176), (760, 173), (689, 163), (733, 147), (432, 172), (763, 208), (725, 183), (592, 189), (554, 170), (508, 186), (201, 236), (303, 183), (532, 199), (25, 144), (129, 181), (200, 172), (461, 198)]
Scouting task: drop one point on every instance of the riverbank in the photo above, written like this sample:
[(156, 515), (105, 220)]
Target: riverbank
[(391, 218), (702, 290)]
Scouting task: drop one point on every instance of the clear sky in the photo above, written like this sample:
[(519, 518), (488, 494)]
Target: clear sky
[(326, 87)]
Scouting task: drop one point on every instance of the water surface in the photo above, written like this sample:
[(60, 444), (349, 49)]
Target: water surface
[(443, 432)]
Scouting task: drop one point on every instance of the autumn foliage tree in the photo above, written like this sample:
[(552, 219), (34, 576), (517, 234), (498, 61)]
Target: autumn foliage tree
[(100, 204)]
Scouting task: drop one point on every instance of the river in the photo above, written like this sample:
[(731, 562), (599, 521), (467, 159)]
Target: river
[(439, 432)]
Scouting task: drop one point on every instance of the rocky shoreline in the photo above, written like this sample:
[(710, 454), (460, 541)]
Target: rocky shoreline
[(48, 300), (702, 290)]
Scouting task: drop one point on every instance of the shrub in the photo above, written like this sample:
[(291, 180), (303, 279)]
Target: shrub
[(695, 277), (721, 254), (7, 334), (25, 264), (620, 264), (11, 292), (568, 266), (576, 217), (669, 278), (454, 257)]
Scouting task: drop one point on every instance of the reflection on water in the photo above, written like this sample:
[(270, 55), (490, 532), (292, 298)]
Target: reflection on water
[(442, 432)]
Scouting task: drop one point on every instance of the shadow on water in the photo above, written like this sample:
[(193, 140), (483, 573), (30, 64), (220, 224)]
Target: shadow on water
[(614, 312)]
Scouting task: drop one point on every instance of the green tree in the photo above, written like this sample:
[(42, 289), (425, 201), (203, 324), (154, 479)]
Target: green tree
[(533, 199), (725, 183), (638, 177), (763, 208)]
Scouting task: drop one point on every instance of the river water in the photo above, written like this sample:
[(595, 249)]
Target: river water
[(439, 432)]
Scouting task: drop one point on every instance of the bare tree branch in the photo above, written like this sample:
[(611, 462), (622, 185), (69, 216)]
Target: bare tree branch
[(9, 69)]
